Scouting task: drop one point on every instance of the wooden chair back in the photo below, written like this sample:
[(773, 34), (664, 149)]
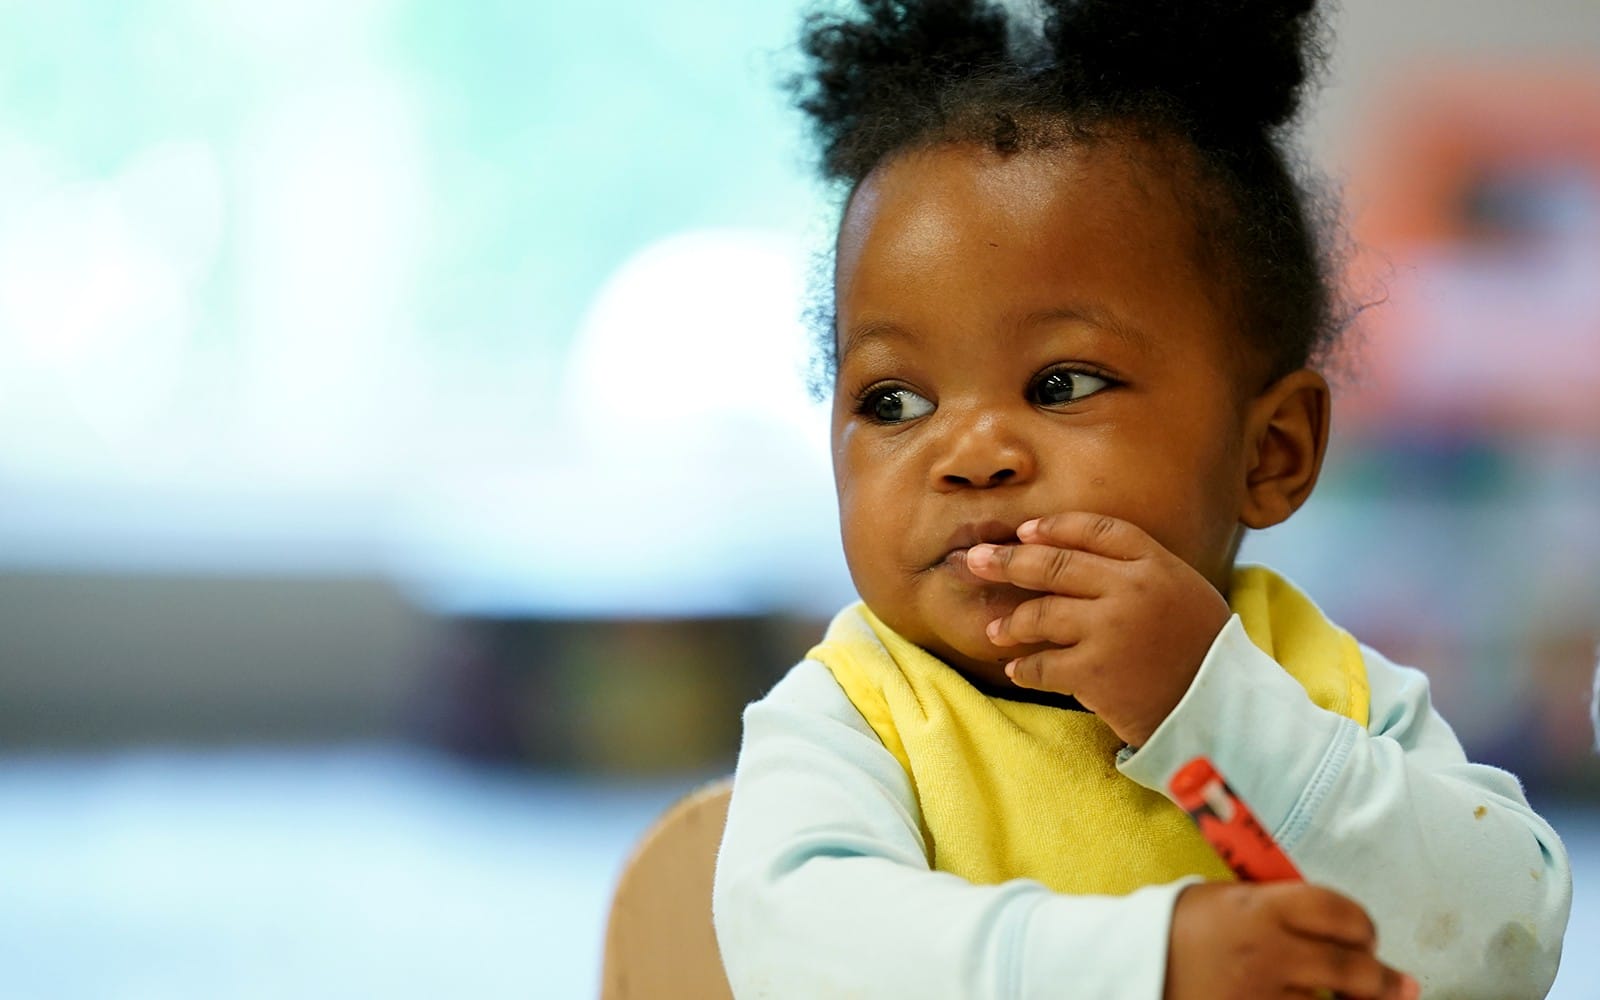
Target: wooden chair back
[(659, 940)]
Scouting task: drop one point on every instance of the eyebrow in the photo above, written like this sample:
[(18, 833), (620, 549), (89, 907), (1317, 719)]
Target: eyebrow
[(1088, 313), (1093, 315), (877, 330)]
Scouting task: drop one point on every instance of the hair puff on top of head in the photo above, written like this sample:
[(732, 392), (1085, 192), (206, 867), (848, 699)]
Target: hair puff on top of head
[(1228, 66), (884, 73), (898, 71)]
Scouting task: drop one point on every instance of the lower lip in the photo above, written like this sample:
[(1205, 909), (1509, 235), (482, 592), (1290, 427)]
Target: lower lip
[(956, 562), (990, 592)]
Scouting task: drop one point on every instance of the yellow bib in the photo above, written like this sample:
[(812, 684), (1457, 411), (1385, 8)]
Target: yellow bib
[(1010, 789)]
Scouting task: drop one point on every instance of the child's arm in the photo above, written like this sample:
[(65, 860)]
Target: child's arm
[(823, 889), (1469, 888)]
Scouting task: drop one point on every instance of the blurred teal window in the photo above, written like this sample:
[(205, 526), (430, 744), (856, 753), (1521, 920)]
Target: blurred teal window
[(292, 286)]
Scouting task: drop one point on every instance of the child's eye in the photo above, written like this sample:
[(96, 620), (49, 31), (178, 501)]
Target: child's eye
[(1065, 385), (892, 406)]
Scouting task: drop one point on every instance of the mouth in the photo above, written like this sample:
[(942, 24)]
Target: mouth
[(954, 557)]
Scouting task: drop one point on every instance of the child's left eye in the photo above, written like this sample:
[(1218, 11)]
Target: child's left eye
[(1065, 385)]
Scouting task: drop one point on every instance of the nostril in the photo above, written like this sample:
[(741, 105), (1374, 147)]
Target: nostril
[(982, 482)]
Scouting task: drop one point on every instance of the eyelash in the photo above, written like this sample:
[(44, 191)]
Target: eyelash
[(865, 404), (866, 401), (1072, 369)]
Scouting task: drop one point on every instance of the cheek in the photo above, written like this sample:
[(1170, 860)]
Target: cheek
[(853, 493), (845, 459), (1207, 521), (868, 550), (872, 513), (861, 521), (1176, 479), (846, 483)]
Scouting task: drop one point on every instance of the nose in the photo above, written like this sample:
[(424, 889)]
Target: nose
[(981, 450)]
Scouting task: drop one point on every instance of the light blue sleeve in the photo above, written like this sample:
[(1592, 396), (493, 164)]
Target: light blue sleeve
[(823, 887), (1469, 888)]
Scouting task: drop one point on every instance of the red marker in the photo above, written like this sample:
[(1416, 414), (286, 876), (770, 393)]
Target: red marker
[(1229, 826), (1232, 829)]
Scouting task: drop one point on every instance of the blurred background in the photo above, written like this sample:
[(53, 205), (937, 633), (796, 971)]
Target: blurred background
[(407, 472)]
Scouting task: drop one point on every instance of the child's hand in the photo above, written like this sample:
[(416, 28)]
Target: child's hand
[(1130, 621), (1275, 939)]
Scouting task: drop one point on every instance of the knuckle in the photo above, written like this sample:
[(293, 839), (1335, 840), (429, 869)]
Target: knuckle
[(1027, 621), (1338, 959), (1102, 527), (1041, 616), (1041, 672), (1373, 980), (1348, 915), (1060, 562), (1358, 974)]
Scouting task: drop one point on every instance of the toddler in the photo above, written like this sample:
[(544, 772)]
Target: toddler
[(1078, 311)]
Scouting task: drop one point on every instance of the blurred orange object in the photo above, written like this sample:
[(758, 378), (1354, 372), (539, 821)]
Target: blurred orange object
[(1477, 205)]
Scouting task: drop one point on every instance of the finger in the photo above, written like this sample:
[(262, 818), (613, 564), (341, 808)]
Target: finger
[(1054, 619), (1099, 533), (1074, 572), (1351, 973), (1051, 670), (1316, 912)]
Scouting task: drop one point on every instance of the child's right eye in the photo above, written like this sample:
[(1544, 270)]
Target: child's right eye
[(893, 406)]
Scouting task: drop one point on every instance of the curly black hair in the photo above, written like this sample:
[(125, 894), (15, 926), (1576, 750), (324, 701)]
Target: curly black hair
[(1221, 81)]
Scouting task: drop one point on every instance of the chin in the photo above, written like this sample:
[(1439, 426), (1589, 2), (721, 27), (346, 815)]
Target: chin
[(976, 657), (971, 614), (951, 627)]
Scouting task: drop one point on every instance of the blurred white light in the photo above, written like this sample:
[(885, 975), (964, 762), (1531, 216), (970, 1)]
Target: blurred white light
[(697, 328), (688, 469), (97, 281)]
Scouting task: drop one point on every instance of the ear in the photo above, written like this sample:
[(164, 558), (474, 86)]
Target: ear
[(1286, 430)]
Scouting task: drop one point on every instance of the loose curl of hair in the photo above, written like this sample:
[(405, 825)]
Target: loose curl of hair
[(1220, 82)]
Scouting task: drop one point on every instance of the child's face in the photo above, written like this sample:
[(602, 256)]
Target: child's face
[(1017, 337)]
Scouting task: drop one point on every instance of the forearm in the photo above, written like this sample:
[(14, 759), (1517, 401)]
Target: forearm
[(1469, 888), (868, 927)]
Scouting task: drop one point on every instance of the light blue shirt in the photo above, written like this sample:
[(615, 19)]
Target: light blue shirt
[(823, 887)]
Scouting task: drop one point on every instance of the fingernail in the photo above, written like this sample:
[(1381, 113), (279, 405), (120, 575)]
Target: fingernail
[(980, 556), (993, 629), (1011, 670), (1028, 527)]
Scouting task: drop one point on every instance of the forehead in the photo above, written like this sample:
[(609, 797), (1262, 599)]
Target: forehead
[(961, 235)]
